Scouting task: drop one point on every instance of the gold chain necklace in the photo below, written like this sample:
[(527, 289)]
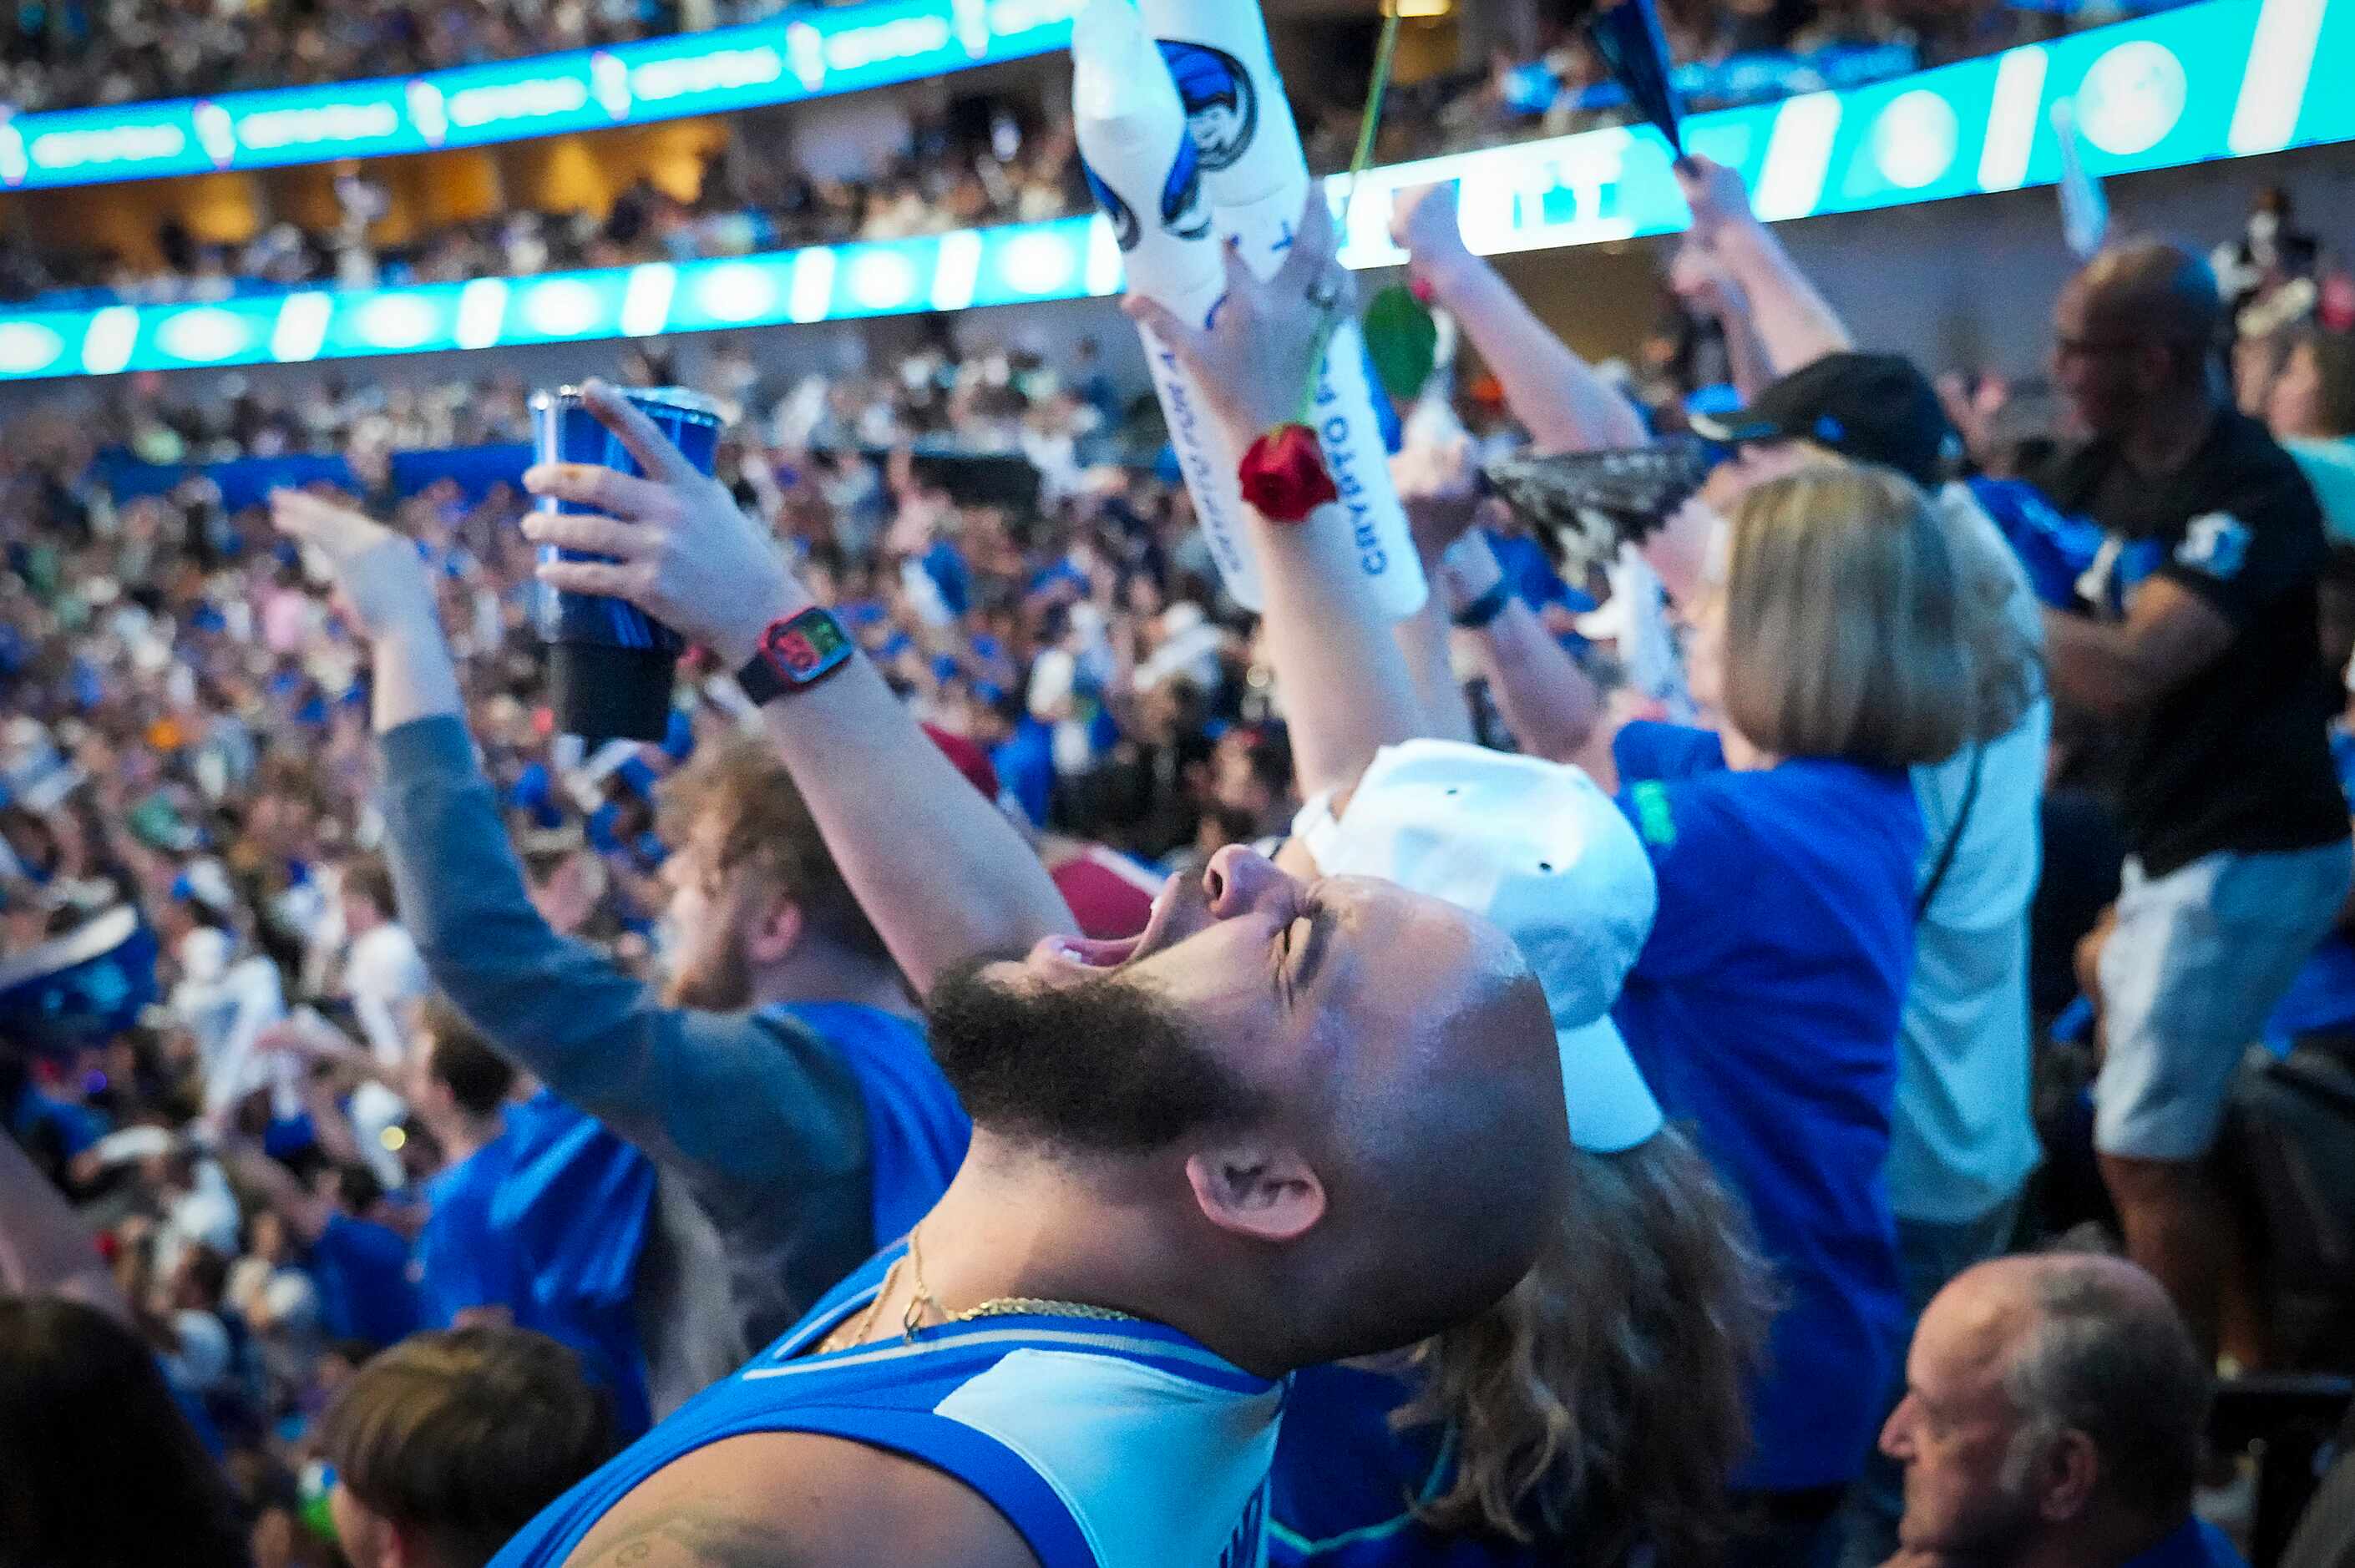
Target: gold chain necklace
[(996, 1307)]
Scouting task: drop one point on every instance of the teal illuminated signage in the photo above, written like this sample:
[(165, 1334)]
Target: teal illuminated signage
[(810, 52), (2225, 78)]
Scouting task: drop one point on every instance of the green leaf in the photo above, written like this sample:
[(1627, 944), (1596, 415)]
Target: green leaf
[(1403, 341)]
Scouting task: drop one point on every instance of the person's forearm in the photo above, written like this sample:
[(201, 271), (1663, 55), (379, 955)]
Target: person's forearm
[(718, 1090), (1796, 324), (1566, 405), (1423, 641), (45, 1249), (1746, 359), (413, 676), (1340, 675), (941, 873), (338, 1138), (304, 1213), (2095, 665), (1548, 702), (1546, 699), (325, 1042)]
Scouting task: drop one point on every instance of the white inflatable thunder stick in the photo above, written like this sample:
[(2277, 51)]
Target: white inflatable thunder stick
[(1257, 174), (1140, 167)]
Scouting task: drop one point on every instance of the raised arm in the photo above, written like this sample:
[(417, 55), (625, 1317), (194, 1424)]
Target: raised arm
[(1340, 674), (43, 1247), (1703, 283), (1551, 705), (1440, 490), (1797, 324), (307, 1036), (761, 1111), (305, 1212), (312, 1039), (1566, 405), (941, 874)]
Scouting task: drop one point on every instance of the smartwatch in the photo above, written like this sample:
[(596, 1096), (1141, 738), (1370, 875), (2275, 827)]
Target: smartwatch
[(795, 652)]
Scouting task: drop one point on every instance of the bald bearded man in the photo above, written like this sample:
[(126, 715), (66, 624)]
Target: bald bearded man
[(1294, 1121)]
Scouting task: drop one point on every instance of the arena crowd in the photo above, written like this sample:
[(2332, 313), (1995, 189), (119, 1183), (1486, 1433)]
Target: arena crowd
[(1581, 1056)]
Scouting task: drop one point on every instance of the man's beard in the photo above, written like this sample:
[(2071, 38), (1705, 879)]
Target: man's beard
[(720, 983), (1104, 1066)]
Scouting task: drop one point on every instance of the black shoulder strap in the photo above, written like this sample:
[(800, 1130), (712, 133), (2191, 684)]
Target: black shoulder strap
[(1954, 838)]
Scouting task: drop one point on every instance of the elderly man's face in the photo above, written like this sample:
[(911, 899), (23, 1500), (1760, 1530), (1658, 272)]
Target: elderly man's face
[(1955, 1432)]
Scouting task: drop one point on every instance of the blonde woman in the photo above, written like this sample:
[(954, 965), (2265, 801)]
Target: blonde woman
[(1848, 633)]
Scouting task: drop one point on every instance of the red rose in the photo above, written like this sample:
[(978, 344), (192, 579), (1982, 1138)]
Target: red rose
[(1283, 475)]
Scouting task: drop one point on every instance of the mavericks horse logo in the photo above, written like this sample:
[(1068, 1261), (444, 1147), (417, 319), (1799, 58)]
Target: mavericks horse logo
[(1221, 106), (1183, 211)]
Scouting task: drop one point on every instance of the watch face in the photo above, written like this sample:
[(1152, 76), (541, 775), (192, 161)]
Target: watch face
[(806, 646)]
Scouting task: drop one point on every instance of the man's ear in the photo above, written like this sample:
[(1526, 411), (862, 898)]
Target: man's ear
[(774, 927), (368, 1539), (2065, 1477), (1262, 1190)]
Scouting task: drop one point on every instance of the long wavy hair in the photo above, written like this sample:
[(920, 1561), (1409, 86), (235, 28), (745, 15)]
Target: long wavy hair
[(1604, 1396)]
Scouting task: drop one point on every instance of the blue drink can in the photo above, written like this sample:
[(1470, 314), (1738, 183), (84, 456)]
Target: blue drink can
[(610, 663)]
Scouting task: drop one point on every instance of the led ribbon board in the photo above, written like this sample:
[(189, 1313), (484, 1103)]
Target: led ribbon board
[(2223, 79), (808, 53)]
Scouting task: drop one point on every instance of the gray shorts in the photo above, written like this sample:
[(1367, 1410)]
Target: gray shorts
[(2198, 960)]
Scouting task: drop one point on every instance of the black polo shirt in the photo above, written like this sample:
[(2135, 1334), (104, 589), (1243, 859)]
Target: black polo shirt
[(2235, 758)]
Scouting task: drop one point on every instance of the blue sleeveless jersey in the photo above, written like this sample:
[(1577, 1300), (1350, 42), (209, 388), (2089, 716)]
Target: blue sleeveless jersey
[(916, 1130), (1116, 1444)]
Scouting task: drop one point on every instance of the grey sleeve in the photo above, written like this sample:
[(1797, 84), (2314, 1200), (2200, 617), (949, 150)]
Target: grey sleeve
[(762, 1116)]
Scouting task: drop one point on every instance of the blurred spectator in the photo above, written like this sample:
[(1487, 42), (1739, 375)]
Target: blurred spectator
[(2311, 410), (88, 1421), (2193, 636), (103, 1469), (447, 1443)]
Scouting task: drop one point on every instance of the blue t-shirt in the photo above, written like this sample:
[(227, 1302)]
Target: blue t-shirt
[(460, 1263), (1343, 1479), (916, 1130), (362, 1271), (548, 1221), (1764, 1011)]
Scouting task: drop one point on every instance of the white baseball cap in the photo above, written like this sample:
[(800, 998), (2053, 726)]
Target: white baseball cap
[(1536, 848)]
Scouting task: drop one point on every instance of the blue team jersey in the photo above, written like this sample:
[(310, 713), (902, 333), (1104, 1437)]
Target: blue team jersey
[(1115, 1445)]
